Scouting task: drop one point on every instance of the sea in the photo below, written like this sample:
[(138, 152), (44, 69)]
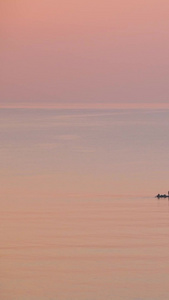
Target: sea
[(79, 219)]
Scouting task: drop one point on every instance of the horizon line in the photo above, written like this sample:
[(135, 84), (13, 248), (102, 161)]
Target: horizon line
[(75, 105)]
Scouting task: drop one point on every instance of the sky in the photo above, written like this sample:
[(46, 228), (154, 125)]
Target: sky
[(83, 52)]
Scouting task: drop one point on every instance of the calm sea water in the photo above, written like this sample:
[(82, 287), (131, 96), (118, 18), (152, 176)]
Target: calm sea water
[(86, 249), (78, 217)]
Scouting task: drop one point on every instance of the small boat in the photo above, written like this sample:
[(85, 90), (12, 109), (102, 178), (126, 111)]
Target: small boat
[(163, 195)]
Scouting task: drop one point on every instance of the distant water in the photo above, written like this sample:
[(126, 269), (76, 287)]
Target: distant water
[(45, 152), (78, 217)]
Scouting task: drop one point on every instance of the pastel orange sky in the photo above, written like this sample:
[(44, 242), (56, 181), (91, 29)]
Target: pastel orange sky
[(63, 52)]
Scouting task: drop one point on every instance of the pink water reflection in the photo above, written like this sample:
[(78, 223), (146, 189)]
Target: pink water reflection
[(86, 249)]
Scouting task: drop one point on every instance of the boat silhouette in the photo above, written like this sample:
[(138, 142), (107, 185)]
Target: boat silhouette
[(162, 195)]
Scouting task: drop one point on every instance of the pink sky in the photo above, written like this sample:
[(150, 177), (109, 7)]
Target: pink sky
[(62, 52)]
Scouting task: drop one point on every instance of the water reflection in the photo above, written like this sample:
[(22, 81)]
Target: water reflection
[(90, 249)]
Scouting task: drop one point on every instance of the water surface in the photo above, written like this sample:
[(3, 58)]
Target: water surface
[(86, 249), (78, 215)]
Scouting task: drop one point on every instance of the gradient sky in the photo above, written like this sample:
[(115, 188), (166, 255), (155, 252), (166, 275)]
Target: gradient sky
[(93, 51)]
